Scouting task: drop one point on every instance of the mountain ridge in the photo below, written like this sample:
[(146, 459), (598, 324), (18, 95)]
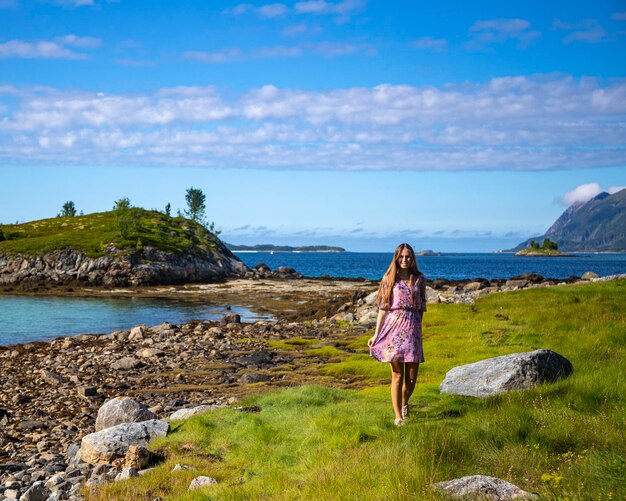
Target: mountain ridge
[(598, 225)]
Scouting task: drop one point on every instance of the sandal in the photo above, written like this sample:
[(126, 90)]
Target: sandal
[(405, 411), (399, 422)]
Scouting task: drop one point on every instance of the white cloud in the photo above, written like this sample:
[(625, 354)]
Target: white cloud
[(582, 193), (326, 49), (344, 8), (335, 49), (586, 31), (498, 31), (75, 3), (278, 51), (516, 123), (37, 50), (272, 10), (267, 11), (58, 48), (220, 56), (429, 43), (79, 42), (586, 192)]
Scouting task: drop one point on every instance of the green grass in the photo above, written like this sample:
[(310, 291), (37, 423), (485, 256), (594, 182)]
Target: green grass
[(93, 233), (562, 441)]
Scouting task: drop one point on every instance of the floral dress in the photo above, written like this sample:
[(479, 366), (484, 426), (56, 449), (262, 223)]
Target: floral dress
[(400, 337)]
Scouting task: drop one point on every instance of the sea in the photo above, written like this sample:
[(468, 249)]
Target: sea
[(372, 265), (25, 319)]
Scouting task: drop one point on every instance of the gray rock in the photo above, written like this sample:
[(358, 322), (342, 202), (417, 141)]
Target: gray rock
[(137, 332), (72, 454), (87, 391), (54, 481), (343, 317), (52, 377), (36, 492), (126, 363), (103, 447), (589, 275), (368, 317), (182, 467), (482, 487), (126, 473), (149, 353), (518, 371), (30, 425), (231, 318), (370, 299), (199, 482), (187, 413), (122, 410), (253, 377)]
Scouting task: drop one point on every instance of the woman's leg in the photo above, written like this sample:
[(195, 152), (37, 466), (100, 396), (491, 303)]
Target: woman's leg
[(397, 375), (410, 379)]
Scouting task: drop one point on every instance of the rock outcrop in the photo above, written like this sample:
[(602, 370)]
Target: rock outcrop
[(518, 371), (148, 266), (482, 487)]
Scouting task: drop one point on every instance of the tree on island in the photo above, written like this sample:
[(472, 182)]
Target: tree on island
[(168, 210), (550, 245), (195, 201), (547, 245), (126, 217), (68, 209), (197, 209), (122, 204)]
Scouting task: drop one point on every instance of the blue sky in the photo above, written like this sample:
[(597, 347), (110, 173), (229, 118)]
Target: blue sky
[(452, 125)]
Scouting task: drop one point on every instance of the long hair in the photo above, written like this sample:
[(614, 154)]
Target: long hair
[(389, 278)]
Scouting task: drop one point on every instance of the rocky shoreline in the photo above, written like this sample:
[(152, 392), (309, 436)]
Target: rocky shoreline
[(53, 390)]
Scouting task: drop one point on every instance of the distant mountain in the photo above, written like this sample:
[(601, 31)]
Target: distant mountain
[(598, 225), (284, 248)]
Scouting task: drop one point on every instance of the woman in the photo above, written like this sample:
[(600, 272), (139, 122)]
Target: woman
[(398, 335)]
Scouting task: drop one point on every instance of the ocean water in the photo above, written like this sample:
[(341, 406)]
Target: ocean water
[(24, 318), (372, 265)]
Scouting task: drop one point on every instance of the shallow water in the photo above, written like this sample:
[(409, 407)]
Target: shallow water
[(25, 318)]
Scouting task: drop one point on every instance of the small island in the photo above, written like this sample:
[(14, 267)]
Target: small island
[(283, 248), (548, 249)]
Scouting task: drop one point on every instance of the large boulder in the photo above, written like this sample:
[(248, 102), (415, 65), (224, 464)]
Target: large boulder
[(482, 487), (120, 410), (104, 447), (518, 371)]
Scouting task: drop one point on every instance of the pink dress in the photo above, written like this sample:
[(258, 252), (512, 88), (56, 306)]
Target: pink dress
[(400, 336)]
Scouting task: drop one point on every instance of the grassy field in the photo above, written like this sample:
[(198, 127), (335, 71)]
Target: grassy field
[(563, 441), (93, 233)]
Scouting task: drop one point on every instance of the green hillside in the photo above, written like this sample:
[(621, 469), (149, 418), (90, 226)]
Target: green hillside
[(99, 233), (563, 441)]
